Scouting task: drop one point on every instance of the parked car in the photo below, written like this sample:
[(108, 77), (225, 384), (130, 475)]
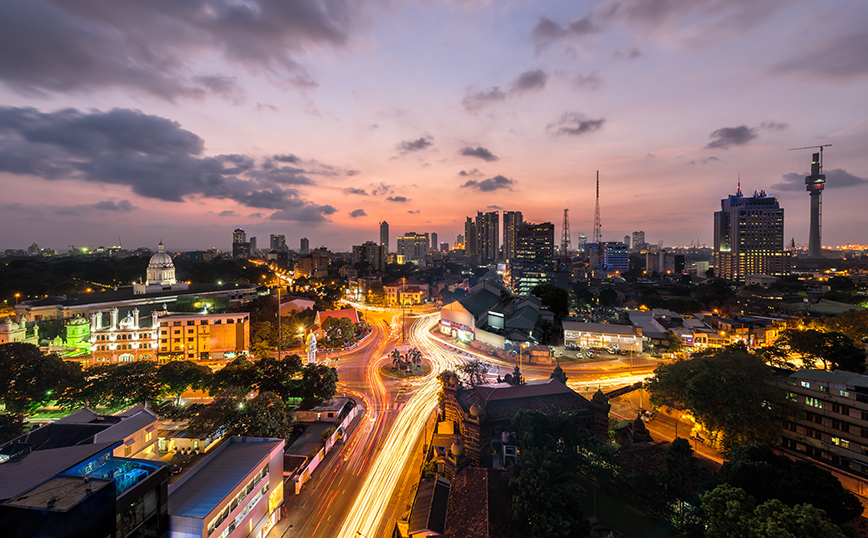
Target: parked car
[(648, 415)]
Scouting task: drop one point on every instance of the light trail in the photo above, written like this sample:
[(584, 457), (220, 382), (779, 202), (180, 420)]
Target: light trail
[(370, 504)]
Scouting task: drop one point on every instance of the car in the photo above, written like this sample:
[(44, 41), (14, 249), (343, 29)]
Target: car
[(174, 469), (647, 416)]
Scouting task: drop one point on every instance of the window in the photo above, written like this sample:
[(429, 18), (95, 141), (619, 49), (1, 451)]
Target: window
[(814, 433), (177, 331), (843, 443), (823, 388), (813, 402), (190, 339), (844, 393), (163, 332), (191, 322), (805, 384)]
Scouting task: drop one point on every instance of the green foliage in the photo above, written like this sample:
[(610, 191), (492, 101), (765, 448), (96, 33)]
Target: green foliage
[(729, 511), (277, 376), (263, 416), (729, 392), (178, 376), (473, 372), (239, 374), (835, 350), (853, 323), (338, 332), (766, 476), (30, 378), (429, 470), (11, 426), (318, 385), (135, 383), (377, 295), (714, 293), (557, 299), (674, 342)]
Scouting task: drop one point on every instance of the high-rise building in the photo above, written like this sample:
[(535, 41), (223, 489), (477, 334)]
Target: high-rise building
[(239, 236), (470, 238), (384, 235), (535, 242), (581, 244), (511, 223), (638, 240), (372, 253), (459, 241), (814, 184), (304, 246), (444, 247), (627, 242), (487, 236), (240, 246), (609, 258), (252, 244), (434, 242), (749, 237), (277, 242), (413, 246)]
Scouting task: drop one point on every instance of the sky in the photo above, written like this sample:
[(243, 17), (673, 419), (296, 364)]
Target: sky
[(129, 122)]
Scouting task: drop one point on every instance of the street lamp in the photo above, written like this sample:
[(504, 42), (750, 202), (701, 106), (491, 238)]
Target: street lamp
[(17, 295)]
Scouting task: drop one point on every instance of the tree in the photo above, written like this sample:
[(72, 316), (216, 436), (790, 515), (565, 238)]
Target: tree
[(765, 476), (318, 385), (262, 349), (674, 342), (30, 378), (338, 331), (135, 382), (729, 392), (853, 323), (276, 376), (714, 293), (608, 297), (11, 426), (835, 350), (729, 511), (474, 372), (240, 374), (178, 376), (262, 416), (557, 299)]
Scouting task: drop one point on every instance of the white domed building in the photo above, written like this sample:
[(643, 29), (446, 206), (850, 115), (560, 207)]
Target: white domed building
[(160, 276)]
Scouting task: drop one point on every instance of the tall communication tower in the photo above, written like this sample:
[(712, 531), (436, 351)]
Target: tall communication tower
[(565, 236), (814, 184), (598, 227)]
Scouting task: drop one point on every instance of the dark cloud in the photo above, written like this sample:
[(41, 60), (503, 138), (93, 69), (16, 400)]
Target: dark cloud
[(731, 136), (834, 58), (497, 207), (530, 80), (288, 158), (419, 144), (353, 190), (574, 123), (265, 106), (591, 81), (153, 156), (227, 213), (774, 125), (352, 173), (702, 161), (358, 213), (300, 211), (548, 31), (631, 54), (480, 152), (475, 100), (159, 47), (381, 188), (471, 172), (490, 184), (413, 211), (111, 205), (836, 178), (399, 199)]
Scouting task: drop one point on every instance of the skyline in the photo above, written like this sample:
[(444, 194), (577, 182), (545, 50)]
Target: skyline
[(181, 122)]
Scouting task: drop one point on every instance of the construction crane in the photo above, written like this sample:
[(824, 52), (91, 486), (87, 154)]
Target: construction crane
[(813, 147)]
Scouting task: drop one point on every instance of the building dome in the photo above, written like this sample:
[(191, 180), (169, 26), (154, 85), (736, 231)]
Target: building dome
[(161, 260), (475, 410), (600, 398), (457, 449), (161, 269)]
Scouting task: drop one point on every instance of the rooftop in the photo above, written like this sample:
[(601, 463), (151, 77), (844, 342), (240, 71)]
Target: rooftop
[(429, 509), (217, 478)]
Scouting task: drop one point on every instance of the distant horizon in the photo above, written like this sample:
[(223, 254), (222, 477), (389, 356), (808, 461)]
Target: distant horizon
[(161, 122)]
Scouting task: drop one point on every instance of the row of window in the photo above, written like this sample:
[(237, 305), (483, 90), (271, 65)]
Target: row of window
[(123, 336), (106, 347)]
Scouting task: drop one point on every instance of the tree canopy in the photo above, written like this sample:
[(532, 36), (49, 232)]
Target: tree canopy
[(30, 378), (729, 392), (835, 350)]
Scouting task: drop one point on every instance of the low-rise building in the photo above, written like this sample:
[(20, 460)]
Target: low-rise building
[(622, 337), (235, 491)]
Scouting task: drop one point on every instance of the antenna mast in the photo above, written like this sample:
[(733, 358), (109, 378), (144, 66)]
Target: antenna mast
[(565, 236), (598, 227), (814, 184)]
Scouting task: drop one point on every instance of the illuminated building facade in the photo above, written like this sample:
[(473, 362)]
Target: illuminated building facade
[(160, 275), (749, 237), (512, 221), (171, 337), (487, 236)]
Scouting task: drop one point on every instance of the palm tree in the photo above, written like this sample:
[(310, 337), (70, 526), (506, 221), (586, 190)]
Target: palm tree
[(396, 358)]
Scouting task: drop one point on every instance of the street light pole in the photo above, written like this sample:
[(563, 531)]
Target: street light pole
[(403, 320), (279, 320)]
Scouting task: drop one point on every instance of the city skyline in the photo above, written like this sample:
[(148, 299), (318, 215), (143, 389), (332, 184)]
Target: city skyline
[(127, 123)]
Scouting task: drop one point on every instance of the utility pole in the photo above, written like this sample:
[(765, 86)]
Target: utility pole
[(403, 323), (279, 335), (565, 236)]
